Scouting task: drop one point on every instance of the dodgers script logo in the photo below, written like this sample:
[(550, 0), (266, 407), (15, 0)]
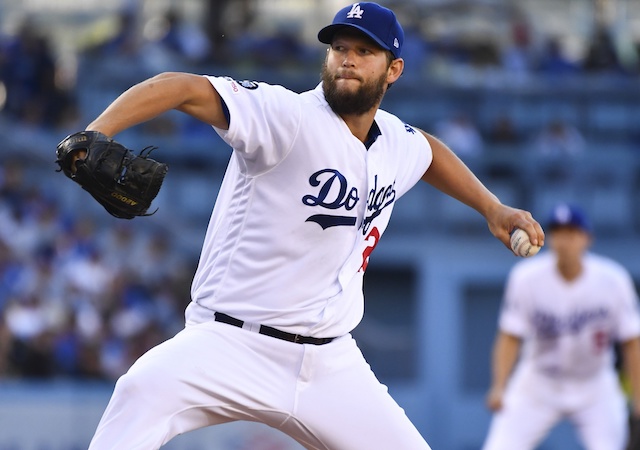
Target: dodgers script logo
[(377, 201), (334, 193), (550, 326)]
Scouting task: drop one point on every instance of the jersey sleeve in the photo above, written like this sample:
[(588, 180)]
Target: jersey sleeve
[(263, 120), (628, 317), (513, 313), (416, 157)]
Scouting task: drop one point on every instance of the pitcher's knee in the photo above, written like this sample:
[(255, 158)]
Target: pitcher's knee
[(142, 383)]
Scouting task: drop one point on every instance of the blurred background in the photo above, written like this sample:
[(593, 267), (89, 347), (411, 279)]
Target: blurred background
[(541, 98)]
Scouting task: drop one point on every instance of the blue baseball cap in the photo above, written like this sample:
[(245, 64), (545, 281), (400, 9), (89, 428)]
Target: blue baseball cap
[(567, 215), (377, 22)]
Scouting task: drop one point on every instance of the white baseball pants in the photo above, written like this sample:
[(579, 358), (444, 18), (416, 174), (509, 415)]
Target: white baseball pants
[(534, 404), (324, 396)]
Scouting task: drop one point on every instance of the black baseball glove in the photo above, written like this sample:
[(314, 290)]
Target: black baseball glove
[(124, 183)]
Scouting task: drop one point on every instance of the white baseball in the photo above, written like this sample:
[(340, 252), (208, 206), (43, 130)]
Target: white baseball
[(521, 245)]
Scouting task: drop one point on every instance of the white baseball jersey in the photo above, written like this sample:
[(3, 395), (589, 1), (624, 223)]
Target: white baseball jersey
[(301, 207), (568, 326)]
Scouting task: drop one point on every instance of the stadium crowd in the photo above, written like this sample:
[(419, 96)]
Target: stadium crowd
[(80, 298)]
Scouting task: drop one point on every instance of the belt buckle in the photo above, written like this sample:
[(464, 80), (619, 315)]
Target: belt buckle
[(297, 338)]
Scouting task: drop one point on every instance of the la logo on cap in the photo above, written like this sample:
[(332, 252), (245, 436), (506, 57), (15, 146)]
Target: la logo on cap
[(356, 12), (375, 21)]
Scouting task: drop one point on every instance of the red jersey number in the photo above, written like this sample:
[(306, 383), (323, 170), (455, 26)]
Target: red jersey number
[(372, 239)]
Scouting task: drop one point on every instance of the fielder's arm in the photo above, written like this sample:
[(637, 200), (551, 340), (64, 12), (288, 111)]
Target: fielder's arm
[(450, 175), (631, 360), (505, 354), (189, 93)]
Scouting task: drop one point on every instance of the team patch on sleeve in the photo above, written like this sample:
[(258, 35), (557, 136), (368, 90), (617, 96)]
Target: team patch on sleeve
[(247, 84)]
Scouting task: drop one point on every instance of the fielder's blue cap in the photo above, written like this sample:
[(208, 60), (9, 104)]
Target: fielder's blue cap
[(567, 215), (377, 22)]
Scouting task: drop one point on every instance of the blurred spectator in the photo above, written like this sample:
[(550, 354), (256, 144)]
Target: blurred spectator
[(88, 274), (482, 54), (217, 27), (116, 243), (122, 41), (27, 322), (553, 61), (518, 56), (602, 55), (503, 131), (157, 261), (5, 348), (180, 37), (28, 70), (559, 138), (12, 187), (461, 134), (414, 49), (227, 23), (282, 47)]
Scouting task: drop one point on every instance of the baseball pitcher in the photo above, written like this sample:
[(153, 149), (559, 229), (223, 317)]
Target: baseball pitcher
[(308, 193)]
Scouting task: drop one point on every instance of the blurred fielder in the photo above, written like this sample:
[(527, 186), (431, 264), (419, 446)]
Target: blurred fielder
[(565, 308)]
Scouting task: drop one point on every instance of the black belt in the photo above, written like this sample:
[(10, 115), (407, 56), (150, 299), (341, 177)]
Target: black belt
[(273, 332)]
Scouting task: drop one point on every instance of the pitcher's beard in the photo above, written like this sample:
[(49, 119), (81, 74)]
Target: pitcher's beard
[(347, 103)]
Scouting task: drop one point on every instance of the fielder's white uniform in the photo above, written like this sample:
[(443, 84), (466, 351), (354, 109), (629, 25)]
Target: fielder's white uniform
[(301, 207), (566, 368)]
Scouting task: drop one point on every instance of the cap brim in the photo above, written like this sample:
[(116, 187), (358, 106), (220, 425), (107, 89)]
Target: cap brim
[(326, 34)]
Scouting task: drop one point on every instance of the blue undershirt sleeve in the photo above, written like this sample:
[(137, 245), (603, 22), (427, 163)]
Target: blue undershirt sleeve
[(225, 111)]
